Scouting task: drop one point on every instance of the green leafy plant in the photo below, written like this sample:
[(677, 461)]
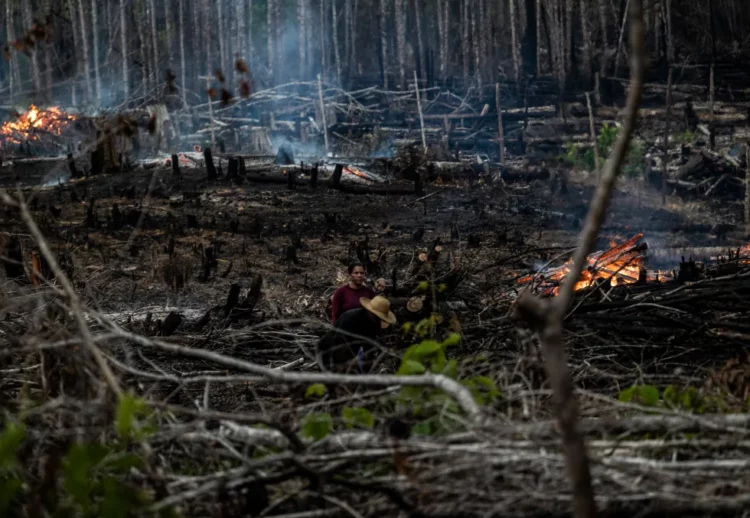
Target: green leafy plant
[(686, 137), (93, 481), (606, 139), (133, 418), (357, 417), (10, 479), (317, 426), (646, 395), (636, 159), (316, 390)]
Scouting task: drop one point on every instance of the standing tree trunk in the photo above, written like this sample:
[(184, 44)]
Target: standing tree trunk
[(271, 24), (48, 67), (400, 16), (348, 36), (354, 61), (670, 42), (183, 76), (442, 34), (569, 47), (85, 46), (301, 19), (475, 47), (539, 37), (28, 20), (140, 28), (323, 32), (336, 50), (603, 23), (239, 13), (195, 43), (515, 44), (124, 50), (154, 41), (15, 75), (168, 29), (465, 49), (250, 44), (586, 34), (420, 39), (97, 72), (384, 40), (220, 25)]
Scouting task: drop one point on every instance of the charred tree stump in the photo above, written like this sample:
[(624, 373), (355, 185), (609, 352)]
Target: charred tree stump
[(418, 188), (210, 167), (253, 296), (72, 167), (233, 170), (233, 298), (241, 165), (175, 166), (290, 178), (91, 219), (291, 254), (97, 161), (314, 177), (336, 176), (208, 263), (13, 259), (192, 221)]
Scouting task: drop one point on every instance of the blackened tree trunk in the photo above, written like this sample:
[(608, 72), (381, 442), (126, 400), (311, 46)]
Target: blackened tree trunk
[(302, 22), (28, 20), (400, 16), (515, 44), (85, 47), (124, 50), (154, 41), (465, 47), (336, 46), (97, 71), (183, 72), (586, 35), (168, 31), (271, 24), (420, 39), (384, 40)]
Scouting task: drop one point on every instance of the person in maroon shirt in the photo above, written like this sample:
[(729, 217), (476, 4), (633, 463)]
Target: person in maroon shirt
[(347, 296)]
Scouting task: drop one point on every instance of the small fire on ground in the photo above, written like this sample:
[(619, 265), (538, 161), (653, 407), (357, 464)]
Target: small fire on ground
[(621, 264), (35, 122)]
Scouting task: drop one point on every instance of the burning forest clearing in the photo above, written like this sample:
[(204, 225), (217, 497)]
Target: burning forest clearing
[(171, 273)]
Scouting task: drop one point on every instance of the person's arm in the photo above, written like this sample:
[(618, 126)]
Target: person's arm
[(336, 301)]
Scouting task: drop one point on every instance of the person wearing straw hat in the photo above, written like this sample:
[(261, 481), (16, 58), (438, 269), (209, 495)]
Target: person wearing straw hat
[(353, 337)]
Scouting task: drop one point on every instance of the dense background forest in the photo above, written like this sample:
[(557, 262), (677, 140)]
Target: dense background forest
[(104, 51)]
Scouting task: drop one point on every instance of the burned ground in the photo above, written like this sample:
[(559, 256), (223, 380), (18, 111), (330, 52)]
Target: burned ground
[(155, 243)]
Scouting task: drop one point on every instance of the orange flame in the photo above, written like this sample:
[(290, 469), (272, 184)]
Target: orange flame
[(28, 125), (621, 264), (353, 170)]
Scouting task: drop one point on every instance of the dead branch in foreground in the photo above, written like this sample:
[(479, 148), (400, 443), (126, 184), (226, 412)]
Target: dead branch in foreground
[(548, 316)]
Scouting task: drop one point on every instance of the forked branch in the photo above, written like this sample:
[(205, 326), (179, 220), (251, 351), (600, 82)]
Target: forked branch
[(547, 316)]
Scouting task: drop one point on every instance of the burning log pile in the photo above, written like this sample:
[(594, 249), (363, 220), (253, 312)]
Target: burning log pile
[(43, 126)]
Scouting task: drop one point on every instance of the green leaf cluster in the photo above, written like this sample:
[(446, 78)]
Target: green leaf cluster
[(134, 420), (318, 426), (11, 482), (93, 476), (688, 399)]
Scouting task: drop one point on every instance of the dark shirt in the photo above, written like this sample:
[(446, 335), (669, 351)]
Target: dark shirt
[(346, 298), (339, 350)]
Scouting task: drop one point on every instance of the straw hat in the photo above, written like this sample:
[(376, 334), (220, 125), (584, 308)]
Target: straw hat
[(380, 307)]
